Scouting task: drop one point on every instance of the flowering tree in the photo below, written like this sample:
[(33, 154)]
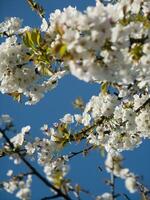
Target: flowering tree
[(106, 44)]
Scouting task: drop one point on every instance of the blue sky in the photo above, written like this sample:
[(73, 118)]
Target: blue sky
[(55, 104)]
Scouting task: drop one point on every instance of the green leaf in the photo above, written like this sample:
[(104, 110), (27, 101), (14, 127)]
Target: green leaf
[(45, 71), (102, 152), (104, 87), (27, 39), (38, 39), (16, 96), (34, 36), (63, 50)]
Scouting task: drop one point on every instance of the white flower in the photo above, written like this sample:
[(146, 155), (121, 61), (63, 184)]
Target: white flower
[(68, 119), (10, 25), (113, 163), (24, 194), (86, 118), (130, 183), (78, 118), (10, 186), (5, 118), (44, 25), (15, 157), (56, 170), (30, 148), (143, 123), (105, 196), (10, 172), (19, 138), (124, 173), (25, 129), (140, 100), (44, 128), (92, 139), (135, 7)]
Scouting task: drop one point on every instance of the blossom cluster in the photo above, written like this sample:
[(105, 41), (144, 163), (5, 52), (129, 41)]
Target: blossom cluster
[(125, 122), (118, 123), (18, 75), (104, 43), (113, 164), (18, 184), (114, 124)]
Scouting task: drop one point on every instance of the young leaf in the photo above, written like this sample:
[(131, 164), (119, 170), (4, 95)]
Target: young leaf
[(45, 71)]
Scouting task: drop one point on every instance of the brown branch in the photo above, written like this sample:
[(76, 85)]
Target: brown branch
[(73, 154), (4, 152), (144, 190), (143, 105), (84, 132), (51, 197), (36, 7), (125, 196), (138, 40)]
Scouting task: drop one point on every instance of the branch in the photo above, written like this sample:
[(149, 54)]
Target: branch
[(138, 40), (143, 105), (83, 133), (72, 154), (36, 7), (144, 190), (52, 197), (4, 152), (125, 196)]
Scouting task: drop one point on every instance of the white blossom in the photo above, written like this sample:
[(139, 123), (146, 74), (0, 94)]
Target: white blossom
[(10, 25), (10, 172), (105, 196), (130, 184), (24, 192), (68, 119), (10, 186), (19, 138)]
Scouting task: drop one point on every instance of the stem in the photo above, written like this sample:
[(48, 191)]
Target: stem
[(37, 8), (112, 185)]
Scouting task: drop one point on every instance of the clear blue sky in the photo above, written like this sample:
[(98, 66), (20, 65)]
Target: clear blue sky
[(55, 105)]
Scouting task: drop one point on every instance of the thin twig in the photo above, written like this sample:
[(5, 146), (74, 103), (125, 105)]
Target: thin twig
[(143, 105), (37, 7), (84, 132), (112, 185), (51, 197), (72, 154), (143, 189), (125, 196)]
